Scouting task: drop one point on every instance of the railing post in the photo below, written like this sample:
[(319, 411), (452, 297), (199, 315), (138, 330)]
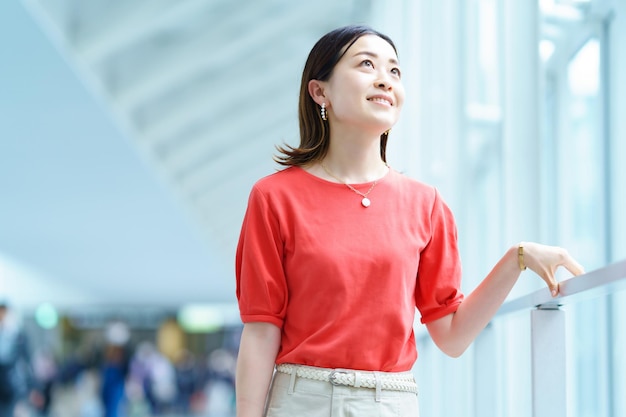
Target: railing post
[(548, 362)]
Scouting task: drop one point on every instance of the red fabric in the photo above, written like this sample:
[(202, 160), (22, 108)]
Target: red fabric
[(342, 281)]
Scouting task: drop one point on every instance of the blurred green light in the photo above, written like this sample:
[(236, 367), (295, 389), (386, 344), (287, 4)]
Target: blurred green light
[(46, 316), (200, 318)]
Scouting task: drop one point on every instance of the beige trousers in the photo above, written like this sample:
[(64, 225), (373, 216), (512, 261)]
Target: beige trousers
[(310, 398)]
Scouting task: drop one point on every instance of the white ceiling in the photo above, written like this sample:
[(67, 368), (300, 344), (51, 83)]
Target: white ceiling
[(133, 190)]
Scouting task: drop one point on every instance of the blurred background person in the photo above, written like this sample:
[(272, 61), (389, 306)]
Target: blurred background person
[(45, 372), (16, 377), (221, 383), (115, 369), (187, 381), (150, 369)]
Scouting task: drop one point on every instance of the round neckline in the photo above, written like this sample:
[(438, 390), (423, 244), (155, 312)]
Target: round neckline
[(342, 184)]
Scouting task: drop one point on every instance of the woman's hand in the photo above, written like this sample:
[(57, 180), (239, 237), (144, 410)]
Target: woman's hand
[(545, 260), (456, 331)]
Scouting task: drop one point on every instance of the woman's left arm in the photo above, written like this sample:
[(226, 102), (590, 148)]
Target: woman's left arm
[(455, 332)]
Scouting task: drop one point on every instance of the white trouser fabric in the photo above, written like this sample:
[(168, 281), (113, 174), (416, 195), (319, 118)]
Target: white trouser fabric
[(292, 395)]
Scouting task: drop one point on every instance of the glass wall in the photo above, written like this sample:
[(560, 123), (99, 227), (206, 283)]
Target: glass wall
[(518, 124)]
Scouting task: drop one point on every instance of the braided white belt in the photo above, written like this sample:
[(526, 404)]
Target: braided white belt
[(392, 382)]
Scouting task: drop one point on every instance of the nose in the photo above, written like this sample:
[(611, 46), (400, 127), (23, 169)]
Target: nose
[(383, 82)]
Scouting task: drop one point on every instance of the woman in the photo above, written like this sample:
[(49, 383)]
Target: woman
[(337, 250)]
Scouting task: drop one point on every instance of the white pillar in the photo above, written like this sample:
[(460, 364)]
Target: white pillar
[(548, 363), (521, 139), (617, 166), (617, 106), (520, 151)]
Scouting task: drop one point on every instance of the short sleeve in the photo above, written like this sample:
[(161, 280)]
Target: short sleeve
[(261, 285), (438, 292)]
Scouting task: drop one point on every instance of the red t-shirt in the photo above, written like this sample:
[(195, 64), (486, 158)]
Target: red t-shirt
[(342, 281)]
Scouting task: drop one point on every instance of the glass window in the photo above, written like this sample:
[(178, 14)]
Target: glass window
[(582, 168), (482, 138), (581, 217)]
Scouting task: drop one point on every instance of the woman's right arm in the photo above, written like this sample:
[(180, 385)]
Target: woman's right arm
[(255, 366)]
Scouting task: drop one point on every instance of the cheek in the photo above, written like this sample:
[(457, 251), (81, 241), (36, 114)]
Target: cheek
[(400, 97), (344, 99), (347, 89)]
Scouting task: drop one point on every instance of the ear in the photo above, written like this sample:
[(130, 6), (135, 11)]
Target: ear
[(316, 91)]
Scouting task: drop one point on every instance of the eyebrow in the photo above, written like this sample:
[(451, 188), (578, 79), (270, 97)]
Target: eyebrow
[(373, 55)]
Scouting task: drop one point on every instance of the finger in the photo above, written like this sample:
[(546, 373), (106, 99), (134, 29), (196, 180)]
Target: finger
[(553, 284), (554, 288), (572, 266)]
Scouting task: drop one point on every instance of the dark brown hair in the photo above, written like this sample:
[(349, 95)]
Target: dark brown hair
[(315, 132)]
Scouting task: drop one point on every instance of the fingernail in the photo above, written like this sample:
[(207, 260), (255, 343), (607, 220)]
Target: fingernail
[(554, 293)]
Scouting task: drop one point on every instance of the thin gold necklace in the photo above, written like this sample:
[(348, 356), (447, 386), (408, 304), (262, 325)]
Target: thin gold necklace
[(365, 202)]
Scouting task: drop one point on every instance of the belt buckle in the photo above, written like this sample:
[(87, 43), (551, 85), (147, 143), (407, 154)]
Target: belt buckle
[(332, 377)]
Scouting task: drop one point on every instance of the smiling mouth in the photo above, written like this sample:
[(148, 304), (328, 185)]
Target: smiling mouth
[(380, 100)]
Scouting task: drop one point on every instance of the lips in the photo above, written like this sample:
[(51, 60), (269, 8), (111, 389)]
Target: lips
[(381, 99)]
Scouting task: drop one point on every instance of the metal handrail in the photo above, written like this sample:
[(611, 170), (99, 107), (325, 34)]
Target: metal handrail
[(548, 347), (594, 284), (548, 333)]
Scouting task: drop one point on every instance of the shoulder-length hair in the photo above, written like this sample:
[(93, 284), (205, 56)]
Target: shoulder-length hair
[(315, 132)]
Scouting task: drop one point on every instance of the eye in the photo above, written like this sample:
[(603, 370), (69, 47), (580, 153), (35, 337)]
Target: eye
[(367, 63), (396, 72)]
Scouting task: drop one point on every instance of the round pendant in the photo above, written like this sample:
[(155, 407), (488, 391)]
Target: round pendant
[(366, 202)]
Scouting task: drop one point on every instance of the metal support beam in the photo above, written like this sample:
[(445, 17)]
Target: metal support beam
[(548, 363)]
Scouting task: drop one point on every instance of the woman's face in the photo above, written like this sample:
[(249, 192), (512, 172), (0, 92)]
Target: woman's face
[(365, 88)]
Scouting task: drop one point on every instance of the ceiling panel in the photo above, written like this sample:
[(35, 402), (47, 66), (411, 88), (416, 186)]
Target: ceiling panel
[(204, 89)]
